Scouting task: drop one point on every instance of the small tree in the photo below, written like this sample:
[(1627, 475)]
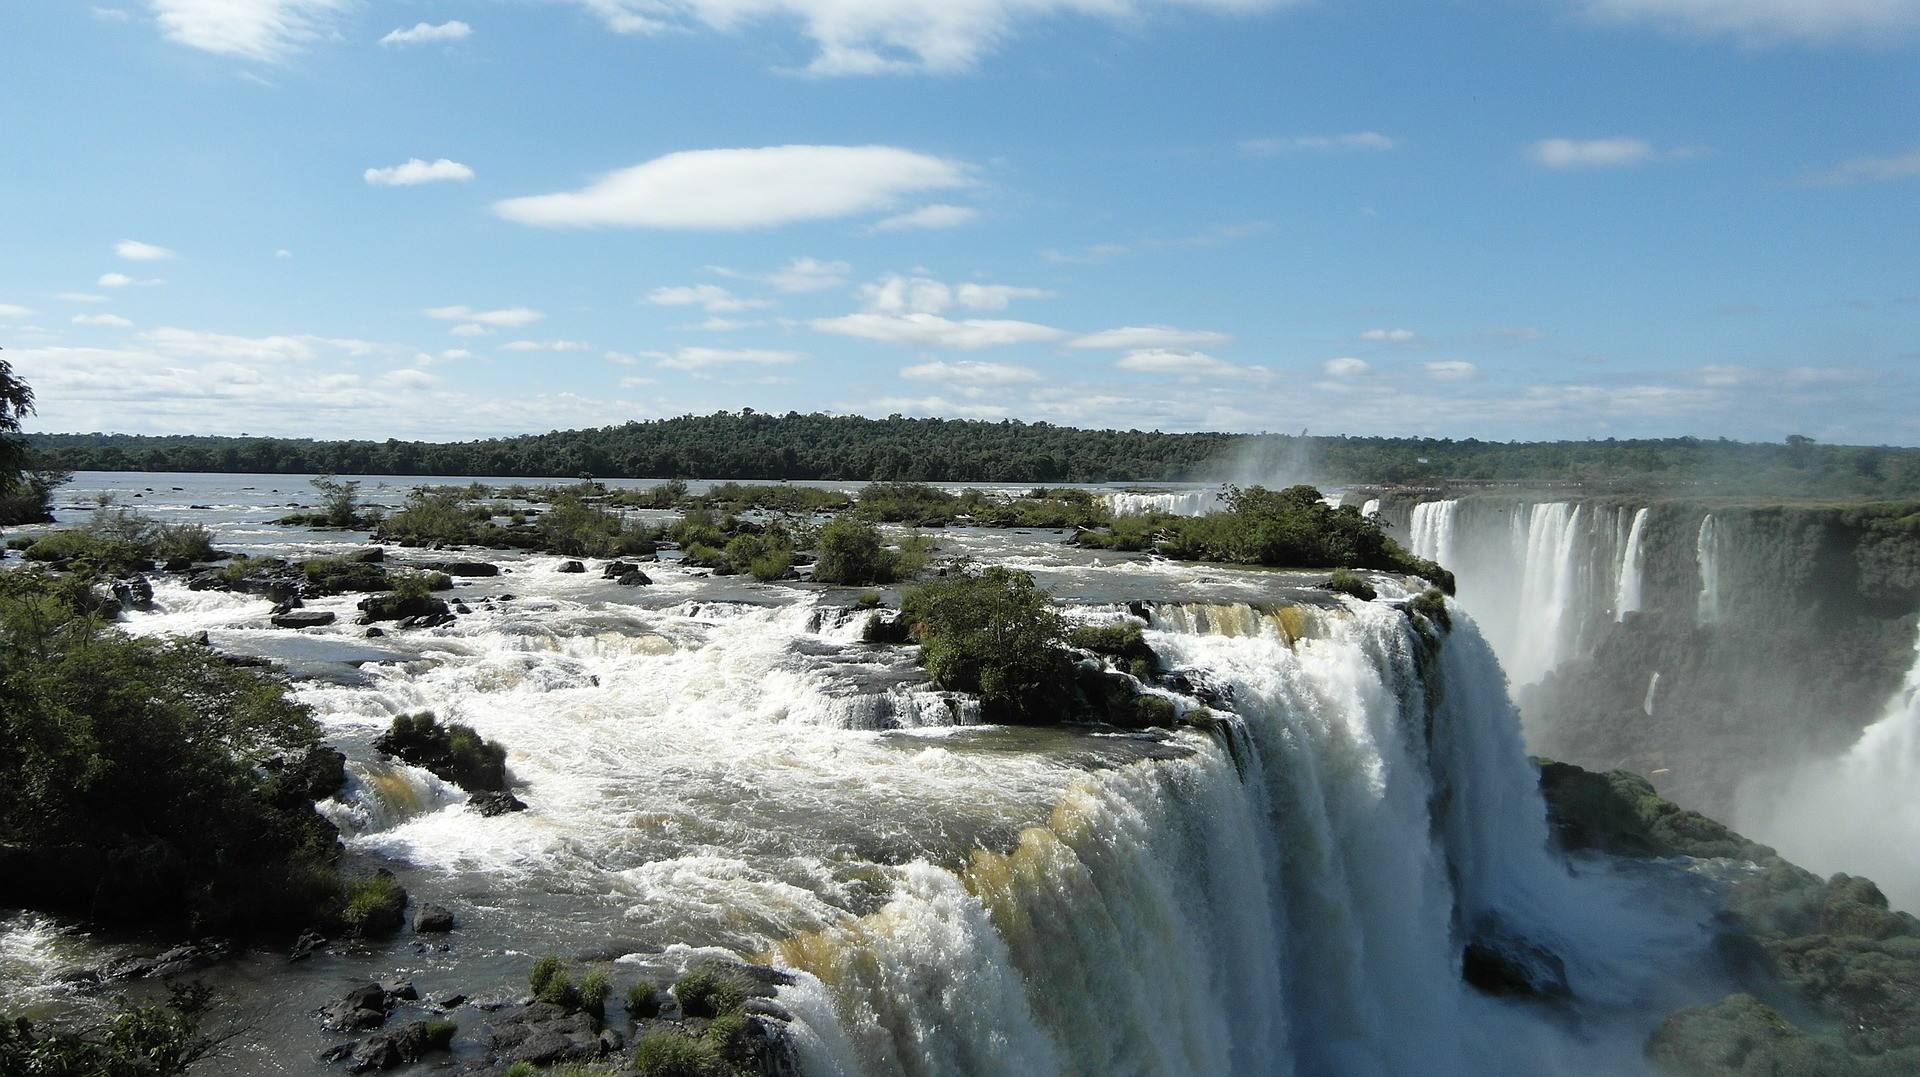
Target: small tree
[(850, 552), (339, 500), (994, 633)]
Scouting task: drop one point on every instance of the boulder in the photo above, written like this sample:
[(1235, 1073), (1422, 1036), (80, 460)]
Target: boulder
[(392, 607), (134, 592), (372, 555), (571, 566), (363, 1007), (543, 1034), (616, 569), (1504, 966), (636, 578), (465, 568), (492, 804), (427, 620), (302, 619), (432, 919), (409, 1043)]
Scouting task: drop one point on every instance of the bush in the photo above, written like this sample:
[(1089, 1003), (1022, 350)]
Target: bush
[(672, 1053), (454, 751), (334, 575), (995, 634), (1351, 583), (595, 986), (707, 992), (160, 1040), (546, 968), (1432, 604), (376, 905), (911, 503), (849, 550)]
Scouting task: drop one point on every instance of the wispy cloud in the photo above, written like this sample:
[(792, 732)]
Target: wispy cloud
[(929, 217), (1568, 154), (702, 358), (709, 297), (113, 320), (744, 188), (546, 346), (1217, 236), (259, 30), (422, 33), (1867, 170), (1344, 368), (135, 251), (1151, 336), (1184, 363), (808, 275), (934, 331), (1308, 144), (417, 171), (509, 317), (1767, 22), (1451, 370), (969, 372)]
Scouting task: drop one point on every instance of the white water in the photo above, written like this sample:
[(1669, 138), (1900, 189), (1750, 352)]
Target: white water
[(1176, 503), (1433, 531), (1856, 813), (1626, 596), (1707, 549)]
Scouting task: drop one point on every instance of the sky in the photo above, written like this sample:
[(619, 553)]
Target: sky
[(452, 219)]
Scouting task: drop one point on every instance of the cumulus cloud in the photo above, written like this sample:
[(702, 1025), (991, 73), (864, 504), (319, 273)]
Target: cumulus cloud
[(701, 358), (969, 372), (1762, 22), (135, 251), (1344, 368), (709, 297), (895, 294), (875, 37), (1185, 363), (1868, 170), (808, 275), (422, 33), (1359, 140), (547, 346), (417, 171), (1566, 154), (260, 30), (409, 378), (11, 310), (1450, 370), (510, 317), (194, 343), (1138, 337), (927, 217), (743, 188), (922, 330), (102, 319), (469, 329)]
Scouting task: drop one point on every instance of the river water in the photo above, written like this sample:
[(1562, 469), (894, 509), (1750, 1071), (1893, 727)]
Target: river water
[(721, 767)]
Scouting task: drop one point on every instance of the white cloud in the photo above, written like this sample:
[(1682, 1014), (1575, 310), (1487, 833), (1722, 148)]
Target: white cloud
[(1564, 154), (635, 383), (743, 188), (1217, 236), (709, 297), (547, 346), (409, 379), (1186, 363), (1868, 170), (895, 294), (1359, 140), (1762, 22), (416, 171), (121, 280), (1450, 370), (922, 330), (935, 405), (1391, 336), (995, 296), (1344, 368), (1137, 337), (870, 37), (720, 325), (283, 253), (469, 329), (809, 275), (423, 33), (197, 344), (927, 217), (701, 358), (262, 30), (511, 317), (81, 297), (970, 373), (135, 251), (102, 319), (10, 310)]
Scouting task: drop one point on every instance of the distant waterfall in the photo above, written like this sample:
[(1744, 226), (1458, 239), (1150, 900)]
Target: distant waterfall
[(1172, 502), (1626, 597), (1546, 589), (1433, 531), (1371, 508), (1707, 549)]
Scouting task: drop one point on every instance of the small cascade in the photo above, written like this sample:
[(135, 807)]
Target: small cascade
[(1433, 531), (380, 795), (1175, 503), (1707, 549), (1626, 596), (1653, 686), (1546, 589), (1371, 508)]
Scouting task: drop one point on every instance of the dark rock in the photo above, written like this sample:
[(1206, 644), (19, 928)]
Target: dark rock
[(400, 989), (465, 568), (306, 945), (492, 804), (392, 607), (543, 1034), (134, 592), (571, 566), (178, 564), (78, 977), (448, 1002), (616, 569), (1501, 965), (310, 774), (375, 633), (636, 578), (430, 919), (363, 1007), (372, 555), (409, 1043), (427, 620), (303, 619), (339, 1052), (462, 607)]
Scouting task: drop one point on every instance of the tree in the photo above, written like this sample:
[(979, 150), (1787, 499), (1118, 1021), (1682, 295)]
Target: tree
[(16, 402), (994, 633)]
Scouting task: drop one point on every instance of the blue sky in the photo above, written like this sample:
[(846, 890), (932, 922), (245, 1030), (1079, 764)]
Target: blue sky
[(449, 219)]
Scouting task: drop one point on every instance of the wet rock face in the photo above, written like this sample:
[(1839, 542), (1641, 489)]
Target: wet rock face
[(302, 619), (1514, 968), (543, 1034)]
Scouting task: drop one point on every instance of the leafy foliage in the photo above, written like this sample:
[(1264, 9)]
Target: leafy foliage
[(118, 541), (156, 1040), (376, 905), (994, 633), (133, 777), (453, 751)]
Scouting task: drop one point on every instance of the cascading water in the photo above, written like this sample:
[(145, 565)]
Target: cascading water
[(1546, 589), (1176, 503), (1433, 531), (1707, 550), (1857, 812), (1626, 597)]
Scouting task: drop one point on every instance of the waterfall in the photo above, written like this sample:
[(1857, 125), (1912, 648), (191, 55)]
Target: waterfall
[(1626, 597), (1175, 503), (1371, 508), (1548, 571), (1707, 550), (1433, 531), (1292, 898), (1856, 812)]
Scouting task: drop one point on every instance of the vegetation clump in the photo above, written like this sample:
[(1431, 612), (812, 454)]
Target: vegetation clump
[(994, 633), (26, 487), (1348, 582), (137, 1040), (135, 777), (119, 541), (851, 551), (340, 507), (709, 992), (376, 905), (454, 752)]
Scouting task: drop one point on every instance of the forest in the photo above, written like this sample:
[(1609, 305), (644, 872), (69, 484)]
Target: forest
[(752, 445)]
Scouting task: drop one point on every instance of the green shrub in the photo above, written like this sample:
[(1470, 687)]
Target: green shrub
[(867, 600), (523, 1069), (708, 992), (672, 1053), (158, 1040), (334, 575), (1432, 604), (911, 503), (440, 1034), (376, 905), (728, 1035), (560, 991), (643, 1000), (545, 969), (595, 986), (454, 751), (1351, 583), (996, 634), (850, 551)]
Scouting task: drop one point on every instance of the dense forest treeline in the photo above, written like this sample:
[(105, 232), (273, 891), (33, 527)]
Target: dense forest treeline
[(750, 445)]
